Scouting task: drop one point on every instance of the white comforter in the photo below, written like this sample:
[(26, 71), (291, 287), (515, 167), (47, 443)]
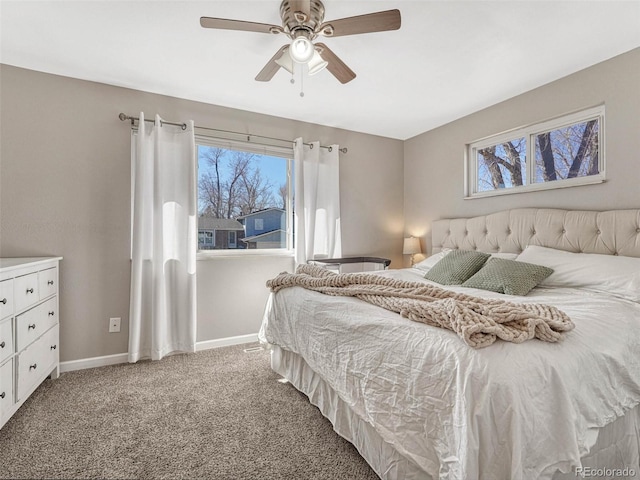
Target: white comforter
[(503, 412)]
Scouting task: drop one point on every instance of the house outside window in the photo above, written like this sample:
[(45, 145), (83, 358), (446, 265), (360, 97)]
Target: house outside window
[(558, 153), (244, 197), (270, 234), (215, 233)]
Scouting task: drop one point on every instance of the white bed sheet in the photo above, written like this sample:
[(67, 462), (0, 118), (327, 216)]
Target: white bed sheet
[(617, 444), (505, 411)]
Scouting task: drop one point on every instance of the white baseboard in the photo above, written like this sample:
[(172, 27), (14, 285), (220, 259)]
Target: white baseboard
[(225, 342), (123, 357), (92, 362)]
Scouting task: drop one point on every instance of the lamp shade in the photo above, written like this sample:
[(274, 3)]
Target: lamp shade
[(316, 64), (411, 246), (285, 61)]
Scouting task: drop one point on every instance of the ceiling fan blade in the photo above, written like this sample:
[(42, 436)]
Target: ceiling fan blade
[(270, 69), (371, 22), (226, 24), (336, 66)]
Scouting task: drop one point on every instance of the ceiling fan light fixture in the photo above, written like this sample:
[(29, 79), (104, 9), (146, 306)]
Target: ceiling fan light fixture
[(301, 49), (316, 64), (285, 61)]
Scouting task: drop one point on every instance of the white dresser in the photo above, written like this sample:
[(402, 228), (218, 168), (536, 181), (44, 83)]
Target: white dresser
[(29, 351)]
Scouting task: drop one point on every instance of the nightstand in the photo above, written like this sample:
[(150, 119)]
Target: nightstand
[(352, 264)]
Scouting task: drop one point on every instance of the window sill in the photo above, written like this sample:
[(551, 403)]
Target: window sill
[(214, 254), (537, 187)]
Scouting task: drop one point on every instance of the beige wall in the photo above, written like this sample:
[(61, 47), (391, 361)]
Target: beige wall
[(434, 161), (65, 190)]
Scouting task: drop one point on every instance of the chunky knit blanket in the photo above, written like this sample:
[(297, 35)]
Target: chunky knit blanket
[(478, 321)]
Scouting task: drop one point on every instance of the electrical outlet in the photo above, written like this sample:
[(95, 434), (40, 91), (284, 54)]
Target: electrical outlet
[(114, 325)]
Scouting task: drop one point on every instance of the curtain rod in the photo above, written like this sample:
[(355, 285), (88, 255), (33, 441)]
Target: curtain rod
[(124, 117)]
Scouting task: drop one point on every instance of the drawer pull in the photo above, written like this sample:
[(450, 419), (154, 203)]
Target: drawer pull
[(53, 347), (2, 395), (51, 314), (2, 344), (30, 290), (3, 301), (50, 282), (33, 367), (33, 325)]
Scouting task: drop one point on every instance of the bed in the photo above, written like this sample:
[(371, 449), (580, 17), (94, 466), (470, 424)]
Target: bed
[(418, 403)]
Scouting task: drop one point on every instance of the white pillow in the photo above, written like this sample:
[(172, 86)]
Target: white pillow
[(612, 274), (429, 262)]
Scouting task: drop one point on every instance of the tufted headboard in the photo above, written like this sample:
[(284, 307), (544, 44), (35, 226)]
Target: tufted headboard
[(614, 232)]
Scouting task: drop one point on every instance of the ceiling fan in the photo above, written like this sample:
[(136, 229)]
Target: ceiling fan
[(303, 21)]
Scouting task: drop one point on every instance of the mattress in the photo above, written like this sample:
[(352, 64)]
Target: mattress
[(526, 411)]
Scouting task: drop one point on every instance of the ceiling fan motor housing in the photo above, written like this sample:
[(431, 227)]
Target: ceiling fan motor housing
[(295, 18)]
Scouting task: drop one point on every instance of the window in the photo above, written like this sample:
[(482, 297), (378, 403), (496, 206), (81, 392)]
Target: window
[(566, 151), (244, 197), (205, 239)]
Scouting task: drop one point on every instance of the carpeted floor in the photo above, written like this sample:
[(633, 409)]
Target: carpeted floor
[(216, 414)]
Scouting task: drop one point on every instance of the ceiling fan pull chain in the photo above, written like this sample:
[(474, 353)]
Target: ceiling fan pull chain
[(301, 81)]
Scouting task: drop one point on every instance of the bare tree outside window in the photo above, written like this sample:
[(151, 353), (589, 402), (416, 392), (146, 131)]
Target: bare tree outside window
[(210, 182), (566, 151), (282, 195), (502, 165)]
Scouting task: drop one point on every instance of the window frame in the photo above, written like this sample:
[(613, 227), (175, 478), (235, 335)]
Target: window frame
[(530, 132), (286, 153)]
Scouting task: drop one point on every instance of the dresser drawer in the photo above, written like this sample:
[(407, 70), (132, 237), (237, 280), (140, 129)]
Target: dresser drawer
[(25, 291), (48, 282), (6, 298), (6, 387), (6, 339), (36, 362), (33, 323)]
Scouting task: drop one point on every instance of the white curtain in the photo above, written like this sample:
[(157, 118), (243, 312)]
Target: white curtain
[(317, 202), (162, 312)]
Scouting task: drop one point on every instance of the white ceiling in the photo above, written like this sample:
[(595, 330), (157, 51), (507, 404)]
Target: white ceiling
[(449, 58)]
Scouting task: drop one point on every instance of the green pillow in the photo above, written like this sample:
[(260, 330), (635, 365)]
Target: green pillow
[(508, 276), (456, 267)]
